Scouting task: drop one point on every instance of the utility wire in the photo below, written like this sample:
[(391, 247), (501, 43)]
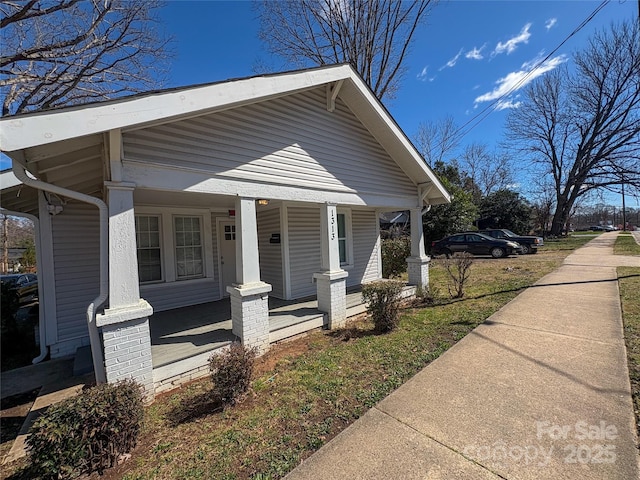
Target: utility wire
[(489, 109)]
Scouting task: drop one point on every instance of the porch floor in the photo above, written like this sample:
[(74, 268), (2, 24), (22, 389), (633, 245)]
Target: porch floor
[(191, 331)]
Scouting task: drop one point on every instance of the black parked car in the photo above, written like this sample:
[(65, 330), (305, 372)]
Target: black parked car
[(476, 244), (529, 243), (25, 285)]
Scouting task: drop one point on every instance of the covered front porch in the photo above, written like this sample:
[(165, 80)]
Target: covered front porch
[(182, 339)]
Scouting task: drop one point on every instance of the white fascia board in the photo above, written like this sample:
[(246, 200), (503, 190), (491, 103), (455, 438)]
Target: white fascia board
[(41, 128), (8, 180)]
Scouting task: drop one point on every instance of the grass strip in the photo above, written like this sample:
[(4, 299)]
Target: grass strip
[(629, 282), (626, 245)]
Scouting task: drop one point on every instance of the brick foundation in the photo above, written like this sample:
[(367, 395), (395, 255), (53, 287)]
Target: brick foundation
[(127, 352), (332, 297), (418, 270), (250, 315)]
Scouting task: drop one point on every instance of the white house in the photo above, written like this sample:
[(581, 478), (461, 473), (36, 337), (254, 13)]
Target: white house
[(153, 206)]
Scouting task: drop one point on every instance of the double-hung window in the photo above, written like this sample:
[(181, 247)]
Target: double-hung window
[(188, 244), (148, 248), (172, 246), (345, 245), (342, 239)]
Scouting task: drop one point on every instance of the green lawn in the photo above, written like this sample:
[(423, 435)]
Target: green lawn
[(629, 280), (308, 390), (626, 245)]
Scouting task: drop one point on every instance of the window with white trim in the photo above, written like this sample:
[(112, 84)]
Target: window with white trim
[(148, 248), (342, 239), (188, 245), (345, 240)]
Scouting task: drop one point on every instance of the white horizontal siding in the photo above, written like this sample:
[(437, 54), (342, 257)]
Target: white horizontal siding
[(304, 249), (76, 250), (167, 296), (288, 141), (270, 253), (365, 248), (170, 295)]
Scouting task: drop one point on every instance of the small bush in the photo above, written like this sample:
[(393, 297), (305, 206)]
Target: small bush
[(429, 296), (86, 433), (9, 307), (458, 268), (231, 372), (383, 300), (394, 256)]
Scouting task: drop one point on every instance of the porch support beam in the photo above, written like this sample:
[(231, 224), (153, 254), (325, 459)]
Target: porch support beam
[(418, 262), (331, 281), (332, 93), (249, 295), (125, 330)]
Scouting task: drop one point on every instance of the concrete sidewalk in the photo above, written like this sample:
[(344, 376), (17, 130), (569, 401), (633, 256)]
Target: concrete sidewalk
[(540, 390)]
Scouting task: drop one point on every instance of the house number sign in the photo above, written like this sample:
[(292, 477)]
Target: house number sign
[(333, 224)]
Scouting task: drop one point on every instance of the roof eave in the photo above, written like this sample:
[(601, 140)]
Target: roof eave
[(41, 128)]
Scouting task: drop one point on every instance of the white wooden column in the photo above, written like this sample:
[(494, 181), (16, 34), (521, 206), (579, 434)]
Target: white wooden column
[(126, 336), (249, 295), (418, 262), (247, 257), (331, 281), (124, 287)]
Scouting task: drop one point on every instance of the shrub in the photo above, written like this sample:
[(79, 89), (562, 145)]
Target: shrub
[(458, 269), (9, 304), (429, 296), (383, 300), (231, 372), (394, 256), (86, 433)]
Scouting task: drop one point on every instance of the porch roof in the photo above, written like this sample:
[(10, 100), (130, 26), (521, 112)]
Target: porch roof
[(21, 132)]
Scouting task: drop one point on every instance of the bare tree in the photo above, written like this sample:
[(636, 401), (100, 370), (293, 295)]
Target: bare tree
[(488, 171), (437, 139), (583, 129), (373, 36), (61, 52)]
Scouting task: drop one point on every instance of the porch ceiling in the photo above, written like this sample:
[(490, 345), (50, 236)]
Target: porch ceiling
[(20, 198)]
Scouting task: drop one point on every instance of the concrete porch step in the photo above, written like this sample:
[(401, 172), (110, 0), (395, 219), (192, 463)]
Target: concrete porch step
[(310, 322)]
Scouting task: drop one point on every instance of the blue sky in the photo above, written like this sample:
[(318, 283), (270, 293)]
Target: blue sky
[(462, 59), (466, 54)]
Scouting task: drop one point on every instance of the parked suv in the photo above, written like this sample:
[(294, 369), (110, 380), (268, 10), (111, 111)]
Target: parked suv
[(476, 244), (529, 243)]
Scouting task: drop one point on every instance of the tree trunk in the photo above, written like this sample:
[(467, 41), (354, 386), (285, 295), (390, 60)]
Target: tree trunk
[(560, 216)]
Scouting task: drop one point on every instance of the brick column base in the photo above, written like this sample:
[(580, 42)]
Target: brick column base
[(250, 314), (418, 270), (332, 296), (127, 345)]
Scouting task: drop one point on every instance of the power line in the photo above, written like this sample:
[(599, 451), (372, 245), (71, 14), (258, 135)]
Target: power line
[(490, 108)]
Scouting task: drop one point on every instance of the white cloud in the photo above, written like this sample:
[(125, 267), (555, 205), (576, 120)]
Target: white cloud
[(423, 76), (549, 24), (504, 104), (452, 62), (510, 45), (514, 81), (475, 53)]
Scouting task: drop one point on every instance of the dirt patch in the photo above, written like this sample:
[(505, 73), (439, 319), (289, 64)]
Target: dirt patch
[(13, 412), (289, 348)]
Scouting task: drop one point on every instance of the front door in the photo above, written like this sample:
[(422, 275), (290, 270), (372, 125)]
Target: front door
[(228, 254)]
